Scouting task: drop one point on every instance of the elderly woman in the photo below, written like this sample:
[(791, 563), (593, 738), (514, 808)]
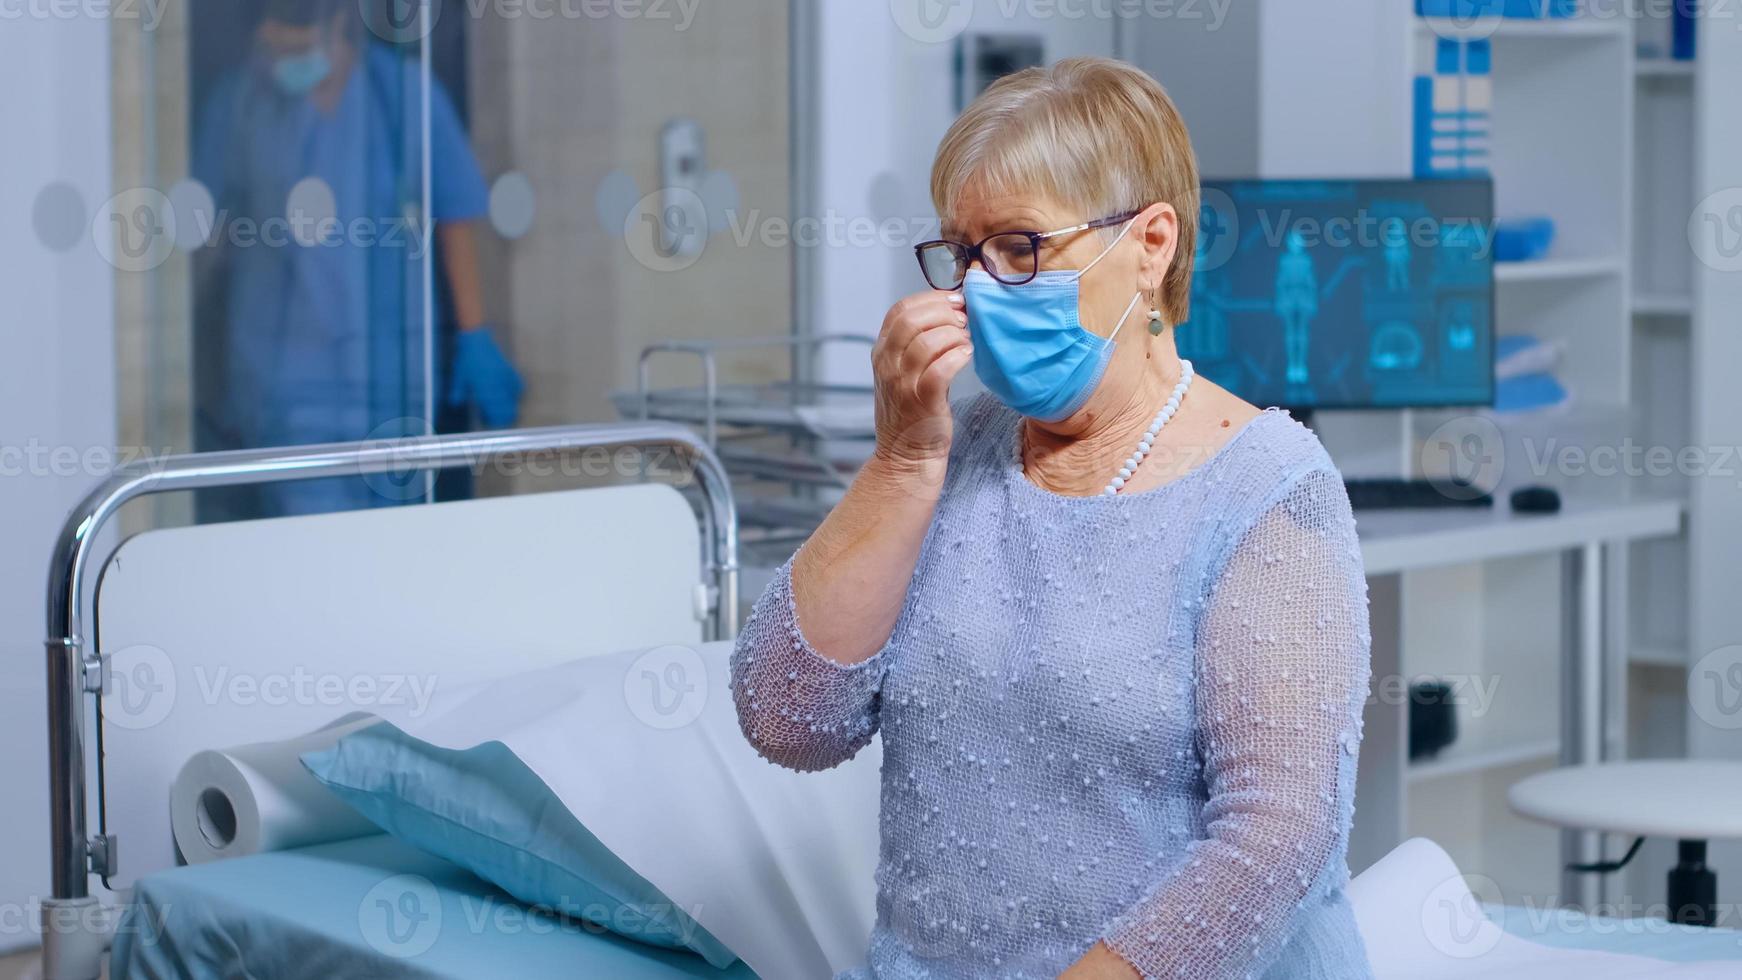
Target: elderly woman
[(1110, 619)]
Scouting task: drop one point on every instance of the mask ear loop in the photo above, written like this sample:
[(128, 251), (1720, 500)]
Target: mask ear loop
[(1104, 252), (1127, 315), (1110, 247)]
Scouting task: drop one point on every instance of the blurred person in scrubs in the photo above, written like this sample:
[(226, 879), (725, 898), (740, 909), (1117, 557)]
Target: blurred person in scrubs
[(312, 292)]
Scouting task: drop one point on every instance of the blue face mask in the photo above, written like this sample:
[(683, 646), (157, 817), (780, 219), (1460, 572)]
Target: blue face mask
[(1030, 349), (298, 74)]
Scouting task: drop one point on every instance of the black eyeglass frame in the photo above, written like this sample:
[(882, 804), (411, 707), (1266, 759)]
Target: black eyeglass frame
[(966, 255)]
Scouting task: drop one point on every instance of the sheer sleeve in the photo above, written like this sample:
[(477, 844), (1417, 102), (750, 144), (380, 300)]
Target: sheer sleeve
[(798, 708), (1281, 677)]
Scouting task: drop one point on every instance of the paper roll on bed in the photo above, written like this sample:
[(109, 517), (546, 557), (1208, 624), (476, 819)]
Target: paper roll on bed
[(252, 798)]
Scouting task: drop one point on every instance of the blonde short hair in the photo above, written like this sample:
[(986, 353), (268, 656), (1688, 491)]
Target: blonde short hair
[(1093, 133)]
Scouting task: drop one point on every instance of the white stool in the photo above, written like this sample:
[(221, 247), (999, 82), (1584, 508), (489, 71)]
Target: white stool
[(1689, 800)]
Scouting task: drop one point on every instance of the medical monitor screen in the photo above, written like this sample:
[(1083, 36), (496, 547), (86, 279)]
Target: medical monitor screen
[(1345, 293)]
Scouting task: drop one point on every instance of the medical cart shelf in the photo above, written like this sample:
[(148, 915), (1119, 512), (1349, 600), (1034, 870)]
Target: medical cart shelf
[(790, 446)]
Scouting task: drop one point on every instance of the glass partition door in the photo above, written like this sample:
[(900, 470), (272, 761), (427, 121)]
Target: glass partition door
[(397, 216)]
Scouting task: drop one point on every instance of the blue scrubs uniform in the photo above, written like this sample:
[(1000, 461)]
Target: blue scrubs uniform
[(326, 342)]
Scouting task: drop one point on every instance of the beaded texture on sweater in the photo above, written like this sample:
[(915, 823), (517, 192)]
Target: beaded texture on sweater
[(1127, 719)]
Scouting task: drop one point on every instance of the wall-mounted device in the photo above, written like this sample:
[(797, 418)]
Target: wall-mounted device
[(683, 214)]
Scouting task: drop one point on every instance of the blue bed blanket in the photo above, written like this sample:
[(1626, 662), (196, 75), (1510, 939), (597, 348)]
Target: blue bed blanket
[(368, 907), (1654, 938)]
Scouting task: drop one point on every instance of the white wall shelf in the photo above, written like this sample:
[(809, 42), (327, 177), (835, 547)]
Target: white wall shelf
[(1664, 68), (1648, 655), (1554, 28), (1663, 305), (1549, 269), (1463, 758)]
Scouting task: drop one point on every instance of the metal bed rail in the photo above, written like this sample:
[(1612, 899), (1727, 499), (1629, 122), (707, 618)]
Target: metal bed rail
[(73, 936)]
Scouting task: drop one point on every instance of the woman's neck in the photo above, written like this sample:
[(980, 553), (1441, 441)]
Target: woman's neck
[(1080, 460)]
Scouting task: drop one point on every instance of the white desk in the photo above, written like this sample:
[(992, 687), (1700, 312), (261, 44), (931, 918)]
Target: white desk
[(1395, 542), (1403, 540)]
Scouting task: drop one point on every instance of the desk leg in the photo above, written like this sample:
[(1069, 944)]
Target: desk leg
[(1582, 615), (1693, 887)]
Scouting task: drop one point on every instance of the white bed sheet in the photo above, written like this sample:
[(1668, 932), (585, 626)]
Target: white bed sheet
[(1421, 922), (644, 749)]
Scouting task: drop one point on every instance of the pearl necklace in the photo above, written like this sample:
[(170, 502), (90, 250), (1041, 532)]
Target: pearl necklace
[(1161, 419)]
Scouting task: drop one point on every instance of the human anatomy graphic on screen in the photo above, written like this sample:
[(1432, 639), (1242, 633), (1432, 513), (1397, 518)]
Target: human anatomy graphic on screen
[(1297, 302)]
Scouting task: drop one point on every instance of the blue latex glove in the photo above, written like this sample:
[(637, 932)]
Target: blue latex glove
[(484, 379)]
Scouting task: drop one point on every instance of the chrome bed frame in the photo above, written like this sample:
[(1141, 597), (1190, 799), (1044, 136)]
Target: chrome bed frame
[(75, 926)]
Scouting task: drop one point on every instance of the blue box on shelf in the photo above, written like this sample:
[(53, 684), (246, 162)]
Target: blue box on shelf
[(1683, 25), (1523, 239)]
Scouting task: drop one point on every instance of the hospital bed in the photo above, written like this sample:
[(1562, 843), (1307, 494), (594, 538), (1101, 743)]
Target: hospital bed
[(562, 574), (480, 588)]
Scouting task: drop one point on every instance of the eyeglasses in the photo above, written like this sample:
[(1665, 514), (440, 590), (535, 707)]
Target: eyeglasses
[(1011, 257)]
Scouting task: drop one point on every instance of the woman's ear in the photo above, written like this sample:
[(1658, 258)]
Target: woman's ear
[(1157, 228)]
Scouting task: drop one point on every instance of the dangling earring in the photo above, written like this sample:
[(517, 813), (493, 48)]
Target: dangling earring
[(1155, 324)]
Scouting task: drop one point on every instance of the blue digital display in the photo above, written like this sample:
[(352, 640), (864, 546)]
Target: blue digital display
[(1345, 294)]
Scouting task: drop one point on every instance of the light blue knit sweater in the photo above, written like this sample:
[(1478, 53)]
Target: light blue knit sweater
[(1131, 719)]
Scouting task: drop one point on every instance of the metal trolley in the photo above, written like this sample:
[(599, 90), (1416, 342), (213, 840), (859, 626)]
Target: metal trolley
[(74, 924), (791, 446)]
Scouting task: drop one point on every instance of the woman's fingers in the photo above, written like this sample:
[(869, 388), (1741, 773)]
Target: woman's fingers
[(922, 346), (927, 345), (933, 387), (911, 316)]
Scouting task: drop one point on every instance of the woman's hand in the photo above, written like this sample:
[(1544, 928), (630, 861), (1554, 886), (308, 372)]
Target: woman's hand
[(850, 579), (922, 347), (1101, 963)]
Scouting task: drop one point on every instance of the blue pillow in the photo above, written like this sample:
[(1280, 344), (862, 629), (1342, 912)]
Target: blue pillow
[(484, 810)]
